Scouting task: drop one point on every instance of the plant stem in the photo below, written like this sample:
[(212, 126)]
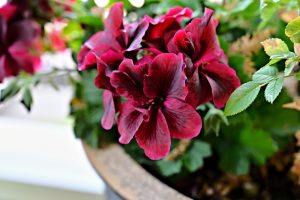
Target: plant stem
[(178, 150)]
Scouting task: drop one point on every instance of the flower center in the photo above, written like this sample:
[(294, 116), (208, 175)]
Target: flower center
[(156, 102)]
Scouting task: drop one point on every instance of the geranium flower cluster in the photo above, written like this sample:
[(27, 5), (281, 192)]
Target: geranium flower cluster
[(19, 42), (163, 70)]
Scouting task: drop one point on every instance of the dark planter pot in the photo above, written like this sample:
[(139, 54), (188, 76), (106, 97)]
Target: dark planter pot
[(125, 178)]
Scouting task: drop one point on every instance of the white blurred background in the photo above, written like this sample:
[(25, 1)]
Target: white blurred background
[(40, 158)]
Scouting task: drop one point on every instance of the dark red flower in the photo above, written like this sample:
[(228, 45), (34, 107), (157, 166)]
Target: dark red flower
[(19, 41), (161, 30), (210, 77), (106, 49), (156, 110)]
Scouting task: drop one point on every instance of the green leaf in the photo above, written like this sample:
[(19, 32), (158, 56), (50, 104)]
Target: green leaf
[(235, 160), (241, 98), (193, 159), (267, 10), (265, 74), (258, 144), (241, 6), (292, 30), (213, 120), (273, 89), (11, 90), (273, 61), (298, 76), (290, 64), (276, 48), (283, 56), (27, 99), (168, 168)]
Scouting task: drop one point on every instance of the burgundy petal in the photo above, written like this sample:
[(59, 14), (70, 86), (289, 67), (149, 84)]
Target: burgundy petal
[(162, 30), (129, 121), (111, 60), (177, 13), (100, 39), (166, 77), (183, 120), (108, 118), (183, 42), (199, 90), (154, 136), (136, 32), (128, 81), (102, 81), (86, 59), (223, 81), (114, 21)]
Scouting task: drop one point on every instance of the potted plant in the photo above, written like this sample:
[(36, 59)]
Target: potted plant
[(158, 80)]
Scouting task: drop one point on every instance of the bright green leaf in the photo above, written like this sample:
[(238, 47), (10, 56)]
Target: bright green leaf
[(168, 168), (193, 159), (292, 30), (273, 61), (241, 98), (265, 74), (273, 89), (298, 76), (241, 6), (275, 47)]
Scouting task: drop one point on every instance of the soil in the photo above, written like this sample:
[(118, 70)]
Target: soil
[(273, 181)]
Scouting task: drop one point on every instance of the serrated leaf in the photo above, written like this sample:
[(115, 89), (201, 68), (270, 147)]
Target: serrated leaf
[(292, 30), (265, 74), (168, 168), (193, 159), (11, 90), (241, 98), (273, 89), (275, 47), (290, 64), (27, 99)]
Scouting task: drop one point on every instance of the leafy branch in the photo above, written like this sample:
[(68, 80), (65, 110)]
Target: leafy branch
[(269, 75), (24, 83)]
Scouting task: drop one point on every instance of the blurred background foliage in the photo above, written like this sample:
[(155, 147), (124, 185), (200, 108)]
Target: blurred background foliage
[(235, 144)]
